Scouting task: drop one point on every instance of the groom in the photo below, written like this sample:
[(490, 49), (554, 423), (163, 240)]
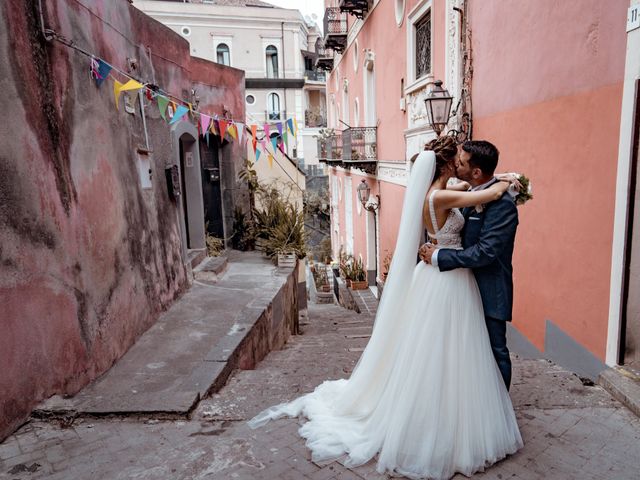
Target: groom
[(488, 240)]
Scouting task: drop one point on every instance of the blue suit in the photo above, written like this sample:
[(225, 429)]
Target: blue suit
[(488, 240)]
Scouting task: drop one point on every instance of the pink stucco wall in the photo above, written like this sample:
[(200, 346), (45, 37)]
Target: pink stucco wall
[(88, 260), (390, 68), (549, 97)]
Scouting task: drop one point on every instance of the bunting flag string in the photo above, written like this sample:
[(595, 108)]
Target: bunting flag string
[(172, 110)]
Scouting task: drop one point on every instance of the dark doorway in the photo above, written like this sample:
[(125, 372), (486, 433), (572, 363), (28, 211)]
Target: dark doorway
[(211, 186), (183, 186), (630, 331)]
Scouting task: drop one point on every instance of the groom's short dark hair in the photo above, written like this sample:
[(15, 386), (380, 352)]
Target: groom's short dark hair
[(484, 155)]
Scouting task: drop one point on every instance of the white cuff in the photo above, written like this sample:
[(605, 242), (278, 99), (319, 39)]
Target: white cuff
[(434, 258)]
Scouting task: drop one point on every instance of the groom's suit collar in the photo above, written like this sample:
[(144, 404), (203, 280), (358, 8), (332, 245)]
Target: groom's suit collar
[(467, 210), (485, 185)]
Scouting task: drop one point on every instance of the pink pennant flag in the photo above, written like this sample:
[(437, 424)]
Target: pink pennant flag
[(267, 130), (205, 121)]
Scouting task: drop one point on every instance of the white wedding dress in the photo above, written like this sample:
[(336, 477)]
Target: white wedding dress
[(426, 395)]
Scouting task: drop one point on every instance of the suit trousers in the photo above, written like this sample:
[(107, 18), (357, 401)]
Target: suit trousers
[(498, 337)]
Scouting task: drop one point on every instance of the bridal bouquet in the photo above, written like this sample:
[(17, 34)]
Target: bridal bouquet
[(522, 189)]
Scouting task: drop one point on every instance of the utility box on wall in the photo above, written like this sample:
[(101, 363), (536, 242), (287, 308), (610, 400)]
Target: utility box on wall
[(144, 168)]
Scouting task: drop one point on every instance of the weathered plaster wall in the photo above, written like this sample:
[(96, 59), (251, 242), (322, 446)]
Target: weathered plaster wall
[(88, 259), (547, 90)]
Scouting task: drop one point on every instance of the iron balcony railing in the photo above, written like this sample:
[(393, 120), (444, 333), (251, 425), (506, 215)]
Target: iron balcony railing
[(315, 118), (315, 75), (274, 116), (330, 148), (335, 29), (359, 144)]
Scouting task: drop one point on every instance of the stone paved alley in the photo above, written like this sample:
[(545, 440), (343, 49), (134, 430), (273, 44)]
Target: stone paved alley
[(571, 430)]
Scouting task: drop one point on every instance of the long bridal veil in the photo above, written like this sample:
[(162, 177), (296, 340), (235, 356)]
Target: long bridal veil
[(357, 397)]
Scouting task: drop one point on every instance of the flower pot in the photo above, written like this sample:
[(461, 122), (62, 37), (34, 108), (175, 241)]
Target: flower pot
[(286, 260), (359, 285)]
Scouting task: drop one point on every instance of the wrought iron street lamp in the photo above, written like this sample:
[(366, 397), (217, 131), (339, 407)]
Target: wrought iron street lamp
[(438, 104), (364, 194)]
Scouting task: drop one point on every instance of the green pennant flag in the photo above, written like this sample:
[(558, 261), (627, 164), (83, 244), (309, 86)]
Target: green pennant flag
[(162, 106), (284, 137)]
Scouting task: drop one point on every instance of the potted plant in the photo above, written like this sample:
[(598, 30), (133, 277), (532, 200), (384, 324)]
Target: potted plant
[(353, 271)]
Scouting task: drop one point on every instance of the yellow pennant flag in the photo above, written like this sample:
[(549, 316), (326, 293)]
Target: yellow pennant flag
[(295, 122), (233, 131), (116, 92), (131, 85), (270, 160)]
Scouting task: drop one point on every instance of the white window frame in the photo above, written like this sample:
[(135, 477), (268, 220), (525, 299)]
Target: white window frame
[(276, 42), (266, 104), (412, 19), (228, 41)]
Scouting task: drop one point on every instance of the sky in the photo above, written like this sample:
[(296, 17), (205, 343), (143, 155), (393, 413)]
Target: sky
[(307, 7)]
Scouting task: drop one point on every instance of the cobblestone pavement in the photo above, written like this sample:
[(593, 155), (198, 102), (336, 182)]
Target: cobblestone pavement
[(571, 431)]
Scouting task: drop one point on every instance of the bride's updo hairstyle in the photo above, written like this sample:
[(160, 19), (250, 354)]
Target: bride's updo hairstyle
[(446, 149)]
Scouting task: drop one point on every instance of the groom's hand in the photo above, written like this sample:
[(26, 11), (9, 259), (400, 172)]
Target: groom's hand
[(426, 252)]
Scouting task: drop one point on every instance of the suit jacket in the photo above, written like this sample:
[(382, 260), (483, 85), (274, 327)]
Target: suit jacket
[(488, 240)]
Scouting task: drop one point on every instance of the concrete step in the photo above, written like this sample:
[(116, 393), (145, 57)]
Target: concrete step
[(196, 256), (193, 348), (623, 385), (211, 269)]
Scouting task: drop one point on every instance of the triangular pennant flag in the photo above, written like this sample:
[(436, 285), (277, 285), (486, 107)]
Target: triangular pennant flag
[(284, 137), (295, 123), (172, 109), (116, 92), (290, 126), (205, 121), (281, 145), (254, 141), (240, 127), (267, 130), (279, 127), (254, 144), (101, 71), (274, 142), (258, 153), (233, 131), (181, 111), (222, 126), (270, 159), (162, 106), (131, 85)]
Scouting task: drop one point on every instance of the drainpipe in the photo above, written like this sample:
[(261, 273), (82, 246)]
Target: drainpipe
[(284, 65)]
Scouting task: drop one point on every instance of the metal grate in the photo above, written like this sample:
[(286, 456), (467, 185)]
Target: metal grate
[(423, 45)]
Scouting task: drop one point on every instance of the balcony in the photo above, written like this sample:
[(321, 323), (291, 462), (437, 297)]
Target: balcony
[(358, 8), (360, 148), (335, 29), (330, 149), (324, 60), (315, 75), (274, 116), (315, 118), (354, 147)]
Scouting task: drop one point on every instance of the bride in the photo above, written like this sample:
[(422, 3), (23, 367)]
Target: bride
[(426, 394)]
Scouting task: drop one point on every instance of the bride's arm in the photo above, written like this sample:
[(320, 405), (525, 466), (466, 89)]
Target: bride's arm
[(461, 186), (447, 199)]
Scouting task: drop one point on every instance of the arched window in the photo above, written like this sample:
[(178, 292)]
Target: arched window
[(223, 54), (272, 61), (273, 106)]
